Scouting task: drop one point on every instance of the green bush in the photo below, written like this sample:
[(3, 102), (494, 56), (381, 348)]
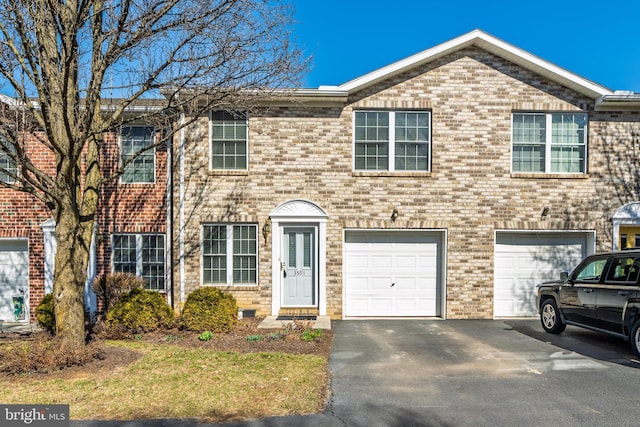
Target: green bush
[(205, 336), (140, 310), (110, 287), (209, 309), (46, 315), (311, 335)]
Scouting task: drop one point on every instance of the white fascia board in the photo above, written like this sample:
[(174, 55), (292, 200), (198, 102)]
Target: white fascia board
[(323, 96), (618, 102), (491, 44)]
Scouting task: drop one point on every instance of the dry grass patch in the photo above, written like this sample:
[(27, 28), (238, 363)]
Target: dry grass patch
[(171, 381)]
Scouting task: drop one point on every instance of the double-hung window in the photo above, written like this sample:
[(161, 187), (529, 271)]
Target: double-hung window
[(142, 255), (392, 140), (228, 141), (141, 166), (8, 166), (229, 254), (549, 142)]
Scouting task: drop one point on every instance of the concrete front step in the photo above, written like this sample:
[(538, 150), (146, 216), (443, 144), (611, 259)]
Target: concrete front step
[(272, 322)]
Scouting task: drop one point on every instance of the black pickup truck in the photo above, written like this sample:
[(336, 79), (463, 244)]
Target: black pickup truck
[(602, 294)]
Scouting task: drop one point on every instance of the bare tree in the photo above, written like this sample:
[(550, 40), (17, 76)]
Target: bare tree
[(76, 69)]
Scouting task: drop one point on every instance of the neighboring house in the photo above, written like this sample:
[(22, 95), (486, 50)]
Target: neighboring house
[(130, 234), (447, 184)]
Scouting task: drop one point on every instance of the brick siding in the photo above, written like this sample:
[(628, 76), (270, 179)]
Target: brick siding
[(306, 152)]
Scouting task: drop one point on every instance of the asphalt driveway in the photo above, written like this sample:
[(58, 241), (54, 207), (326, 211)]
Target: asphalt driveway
[(469, 372)]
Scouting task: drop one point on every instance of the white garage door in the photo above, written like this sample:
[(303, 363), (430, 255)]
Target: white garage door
[(392, 273), (14, 275), (524, 260)]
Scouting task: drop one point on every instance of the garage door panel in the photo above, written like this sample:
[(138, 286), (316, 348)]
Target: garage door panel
[(380, 305), (381, 283), (406, 261), (405, 284), (360, 262), (359, 306), (359, 283), (381, 261), (522, 261), (409, 260)]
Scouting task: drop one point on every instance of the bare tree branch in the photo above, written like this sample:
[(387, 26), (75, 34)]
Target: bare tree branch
[(76, 70)]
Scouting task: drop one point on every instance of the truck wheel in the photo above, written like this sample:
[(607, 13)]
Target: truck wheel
[(550, 317), (634, 339)]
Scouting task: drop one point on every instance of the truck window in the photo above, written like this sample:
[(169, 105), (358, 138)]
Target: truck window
[(591, 271)]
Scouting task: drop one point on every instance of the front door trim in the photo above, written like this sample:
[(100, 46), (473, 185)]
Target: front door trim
[(296, 270), (628, 215), (298, 213)]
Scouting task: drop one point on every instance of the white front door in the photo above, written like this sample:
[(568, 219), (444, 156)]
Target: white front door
[(298, 267)]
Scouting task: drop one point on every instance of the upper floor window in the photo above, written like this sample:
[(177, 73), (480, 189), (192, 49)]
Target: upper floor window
[(549, 142), (8, 166), (392, 141), (228, 141), (142, 168), (229, 254), (142, 255)]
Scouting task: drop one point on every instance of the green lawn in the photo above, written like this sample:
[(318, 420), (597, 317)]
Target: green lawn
[(170, 381)]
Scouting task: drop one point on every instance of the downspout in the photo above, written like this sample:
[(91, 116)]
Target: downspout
[(169, 228), (181, 201)]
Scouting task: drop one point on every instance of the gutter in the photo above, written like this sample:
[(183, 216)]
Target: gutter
[(620, 100)]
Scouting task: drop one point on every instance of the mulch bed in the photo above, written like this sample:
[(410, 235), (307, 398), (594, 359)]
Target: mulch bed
[(284, 340)]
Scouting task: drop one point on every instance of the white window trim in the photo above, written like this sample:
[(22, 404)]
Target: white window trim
[(7, 158), (246, 144), (391, 161), (139, 254), (229, 254), (153, 150), (548, 142)]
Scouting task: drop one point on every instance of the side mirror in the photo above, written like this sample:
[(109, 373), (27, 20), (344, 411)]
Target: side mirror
[(564, 276)]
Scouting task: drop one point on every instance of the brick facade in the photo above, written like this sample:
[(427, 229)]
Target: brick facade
[(302, 149), (123, 208), (306, 152)]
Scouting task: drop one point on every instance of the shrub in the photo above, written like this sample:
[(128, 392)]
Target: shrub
[(46, 315), (46, 354), (311, 335), (205, 336), (140, 310), (110, 287), (209, 309)]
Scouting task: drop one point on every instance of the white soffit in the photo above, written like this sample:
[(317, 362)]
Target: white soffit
[(492, 45)]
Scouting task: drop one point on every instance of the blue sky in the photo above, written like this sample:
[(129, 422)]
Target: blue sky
[(599, 40)]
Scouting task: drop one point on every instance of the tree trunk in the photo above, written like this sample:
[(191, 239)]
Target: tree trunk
[(73, 240)]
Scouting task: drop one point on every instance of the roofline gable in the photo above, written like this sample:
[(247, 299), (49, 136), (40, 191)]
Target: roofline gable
[(490, 44)]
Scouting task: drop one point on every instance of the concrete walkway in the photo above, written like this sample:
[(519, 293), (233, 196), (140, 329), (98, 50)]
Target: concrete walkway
[(272, 322), (18, 327)]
